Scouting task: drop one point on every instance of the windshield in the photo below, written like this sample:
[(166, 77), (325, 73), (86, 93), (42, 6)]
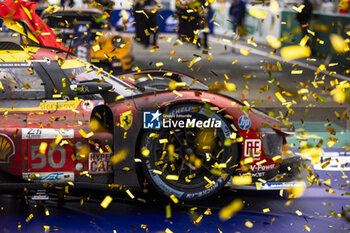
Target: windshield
[(81, 74), (67, 20)]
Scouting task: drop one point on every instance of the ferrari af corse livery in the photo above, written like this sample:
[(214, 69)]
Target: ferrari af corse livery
[(64, 123)]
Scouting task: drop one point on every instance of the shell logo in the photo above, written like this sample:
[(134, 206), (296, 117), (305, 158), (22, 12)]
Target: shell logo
[(7, 148)]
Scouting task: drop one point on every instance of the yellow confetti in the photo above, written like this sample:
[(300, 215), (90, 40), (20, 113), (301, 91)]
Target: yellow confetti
[(321, 68), (274, 6), (304, 41), (295, 52), (280, 97), (168, 230), (273, 41), (130, 194), (105, 203), (172, 177), (298, 9), (248, 224), (307, 228), (168, 211), (244, 52), (266, 210), (228, 211), (257, 13), (120, 156), (296, 72), (174, 199), (42, 148), (338, 43), (241, 180), (145, 152), (159, 64), (230, 86), (96, 48), (299, 213)]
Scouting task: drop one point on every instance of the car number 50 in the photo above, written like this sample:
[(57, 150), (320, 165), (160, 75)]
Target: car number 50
[(49, 158)]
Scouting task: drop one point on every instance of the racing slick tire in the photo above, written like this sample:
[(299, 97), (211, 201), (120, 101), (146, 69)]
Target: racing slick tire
[(190, 163)]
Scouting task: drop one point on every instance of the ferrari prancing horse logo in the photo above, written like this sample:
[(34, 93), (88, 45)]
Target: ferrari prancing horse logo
[(7, 148), (126, 120)]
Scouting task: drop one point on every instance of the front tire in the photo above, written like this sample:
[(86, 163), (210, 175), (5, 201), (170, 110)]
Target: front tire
[(189, 163)]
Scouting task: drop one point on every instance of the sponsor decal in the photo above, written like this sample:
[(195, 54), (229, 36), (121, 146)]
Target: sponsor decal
[(262, 167), (125, 120), (87, 105), (39, 133), (152, 120), (252, 147), (100, 163), (278, 185), (7, 148), (52, 177), (177, 119), (253, 174), (244, 122)]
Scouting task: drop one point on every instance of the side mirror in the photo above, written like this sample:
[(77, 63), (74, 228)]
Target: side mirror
[(91, 87)]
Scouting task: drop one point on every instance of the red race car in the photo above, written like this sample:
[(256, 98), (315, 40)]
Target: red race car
[(66, 123)]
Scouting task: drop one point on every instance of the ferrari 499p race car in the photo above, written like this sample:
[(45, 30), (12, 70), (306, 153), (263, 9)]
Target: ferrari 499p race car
[(64, 123)]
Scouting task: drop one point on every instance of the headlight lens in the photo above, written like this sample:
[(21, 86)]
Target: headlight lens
[(272, 142), (118, 42)]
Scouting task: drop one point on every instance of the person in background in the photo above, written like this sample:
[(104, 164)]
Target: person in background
[(237, 12), (304, 16), (204, 12), (146, 23)]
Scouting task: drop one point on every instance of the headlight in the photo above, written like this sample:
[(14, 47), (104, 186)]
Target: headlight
[(272, 142), (118, 42)]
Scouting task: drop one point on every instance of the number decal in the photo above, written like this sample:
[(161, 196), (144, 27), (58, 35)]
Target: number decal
[(60, 164), (34, 156), (49, 158)]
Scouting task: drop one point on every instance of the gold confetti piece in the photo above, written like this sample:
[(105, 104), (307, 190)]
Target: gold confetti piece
[(177, 93), (207, 212), (165, 140), (307, 228), (303, 91), (321, 68), (266, 210), (296, 72), (242, 180), (145, 152), (174, 199), (295, 52), (130, 194), (274, 6), (168, 211), (228, 211), (42, 148), (248, 224), (304, 41), (338, 43), (230, 86), (234, 62), (280, 97), (47, 213), (168, 230), (298, 9), (120, 156), (172, 177), (159, 64), (299, 213), (273, 41), (244, 52), (105, 203), (257, 13), (297, 191), (96, 48)]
